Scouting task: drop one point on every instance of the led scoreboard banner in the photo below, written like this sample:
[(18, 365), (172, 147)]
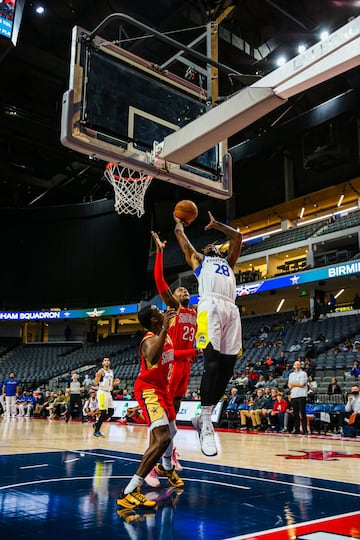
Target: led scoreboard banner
[(10, 19)]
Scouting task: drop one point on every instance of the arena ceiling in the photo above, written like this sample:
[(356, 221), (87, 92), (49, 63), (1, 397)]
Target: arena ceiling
[(36, 170)]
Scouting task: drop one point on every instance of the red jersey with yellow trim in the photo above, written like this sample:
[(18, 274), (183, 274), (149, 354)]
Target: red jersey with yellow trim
[(156, 375), (182, 328)]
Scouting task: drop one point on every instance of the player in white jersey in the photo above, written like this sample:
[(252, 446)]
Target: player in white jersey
[(104, 379), (218, 320)]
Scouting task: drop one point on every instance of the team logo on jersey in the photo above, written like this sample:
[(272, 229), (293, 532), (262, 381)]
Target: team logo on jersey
[(320, 455)]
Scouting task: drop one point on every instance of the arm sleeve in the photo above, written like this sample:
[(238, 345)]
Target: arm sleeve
[(183, 354), (160, 282)]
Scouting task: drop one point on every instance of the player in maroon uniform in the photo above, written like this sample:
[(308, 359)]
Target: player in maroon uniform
[(182, 331), (152, 394)]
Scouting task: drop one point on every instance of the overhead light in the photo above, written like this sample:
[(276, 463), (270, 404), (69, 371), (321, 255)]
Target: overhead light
[(302, 211), (40, 10), (301, 49), (340, 199), (340, 292), (324, 35), (280, 305), (281, 61)]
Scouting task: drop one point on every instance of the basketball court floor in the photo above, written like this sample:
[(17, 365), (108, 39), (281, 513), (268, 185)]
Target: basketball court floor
[(59, 481)]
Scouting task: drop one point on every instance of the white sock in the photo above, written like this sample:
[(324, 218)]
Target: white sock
[(135, 482), (206, 415), (166, 462)]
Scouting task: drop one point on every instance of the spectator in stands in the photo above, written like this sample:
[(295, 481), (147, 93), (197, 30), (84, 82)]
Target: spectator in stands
[(277, 413), (332, 303), (267, 392), (269, 364), (59, 405), (87, 382), (312, 388), (352, 407), (10, 392), (356, 301), (261, 382), (253, 378), (126, 394), (298, 387), (306, 339), (355, 370), (234, 378), (30, 403), (308, 367), (268, 407), (260, 366), (242, 382), (272, 382), (280, 363), (356, 346), (333, 387), (347, 345), (39, 405), (254, 411), (288, 417), (119, 394), (234, 400), (48, 404), (285, 374)]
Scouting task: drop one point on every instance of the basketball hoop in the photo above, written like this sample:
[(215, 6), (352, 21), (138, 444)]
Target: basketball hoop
[(129, 186)]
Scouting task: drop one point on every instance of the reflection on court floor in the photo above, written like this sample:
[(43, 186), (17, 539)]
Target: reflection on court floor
[(74, 494)]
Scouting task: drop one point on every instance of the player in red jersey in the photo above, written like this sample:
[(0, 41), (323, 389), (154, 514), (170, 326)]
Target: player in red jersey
[(182, 331), (152, 394)]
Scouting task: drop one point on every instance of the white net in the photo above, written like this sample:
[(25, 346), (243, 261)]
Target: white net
[(130, 187)]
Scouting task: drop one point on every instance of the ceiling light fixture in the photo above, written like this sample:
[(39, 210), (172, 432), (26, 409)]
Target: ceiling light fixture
[(324, 35), (40, 10), (302, 211), (281, 61), (340, 292), (301, 49), (341, 198), (280, 305)]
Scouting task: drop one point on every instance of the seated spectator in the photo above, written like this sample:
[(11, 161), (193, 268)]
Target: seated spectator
[(40, 399), (234, 401), (336, 348), (48, 404), (352, 407), (254, 411), (355, 370), (233, 379), (277, 414), (280, 363), (126, 394), (261, 382), (312, 388), (295, 347), (308, 367), (59, 405), (20, 404), (260, 366), (288, 369), (347, 345), (288, 417), (272, 382), (356, 346), (242, 381), (118, 394), (267, 392), (333, 387), (30, 402), (269, 364), (252, 378), (268, 406)]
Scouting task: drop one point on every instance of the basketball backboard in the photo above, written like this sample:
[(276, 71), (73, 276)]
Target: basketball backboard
[(119, 105)]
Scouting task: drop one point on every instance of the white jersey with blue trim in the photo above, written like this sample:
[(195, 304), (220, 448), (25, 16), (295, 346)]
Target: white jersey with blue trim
[(216, 278), (106, 381)]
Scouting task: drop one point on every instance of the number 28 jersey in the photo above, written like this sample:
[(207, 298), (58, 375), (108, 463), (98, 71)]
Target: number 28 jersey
[(216, 278)]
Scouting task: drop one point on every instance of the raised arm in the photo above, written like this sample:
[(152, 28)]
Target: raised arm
[(234, 235), (161, 285), (192, 257)]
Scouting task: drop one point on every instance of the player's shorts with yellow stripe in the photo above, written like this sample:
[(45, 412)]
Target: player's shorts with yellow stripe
[(219, 322), (105, 400)]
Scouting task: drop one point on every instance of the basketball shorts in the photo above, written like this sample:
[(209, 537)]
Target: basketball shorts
[(156, 406), (218, 322), (105, 400), (179, 378)]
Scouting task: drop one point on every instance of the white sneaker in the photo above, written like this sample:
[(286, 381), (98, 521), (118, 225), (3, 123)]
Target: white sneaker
[(175, 461), (207, 441), (152, 479)]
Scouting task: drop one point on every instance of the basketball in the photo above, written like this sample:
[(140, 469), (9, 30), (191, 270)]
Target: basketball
[(187, 211)]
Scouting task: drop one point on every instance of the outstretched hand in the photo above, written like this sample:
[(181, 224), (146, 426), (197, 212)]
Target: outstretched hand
[(160, 245), (168, 315), (211, 222)]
